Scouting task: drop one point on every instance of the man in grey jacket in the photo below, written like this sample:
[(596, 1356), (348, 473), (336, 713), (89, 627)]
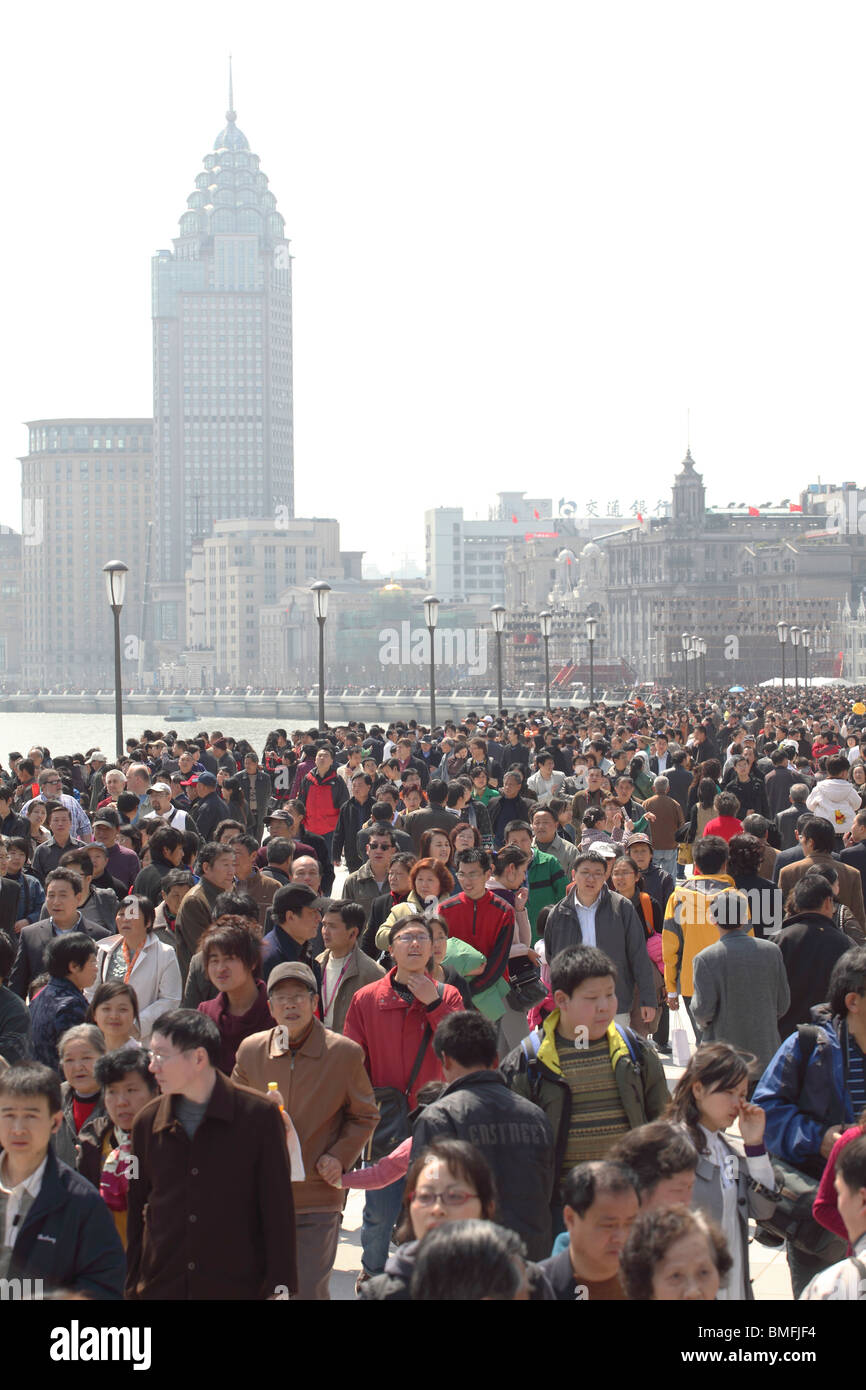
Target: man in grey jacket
[(740, 983), (591, 915)]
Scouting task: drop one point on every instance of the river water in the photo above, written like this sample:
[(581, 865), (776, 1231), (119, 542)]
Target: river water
[(76, 733)]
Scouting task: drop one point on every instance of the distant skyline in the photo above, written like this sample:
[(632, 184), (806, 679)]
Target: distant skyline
[(527, 241)]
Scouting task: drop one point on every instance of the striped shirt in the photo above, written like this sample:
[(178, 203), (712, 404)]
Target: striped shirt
[(597, 1116), (856, 1077)]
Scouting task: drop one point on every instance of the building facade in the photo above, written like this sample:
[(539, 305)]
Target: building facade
[(222, 359), (11, 606), (87, 498)]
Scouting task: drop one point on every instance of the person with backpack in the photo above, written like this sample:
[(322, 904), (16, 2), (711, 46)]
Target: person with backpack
[(814, 1088), (593, 1078)]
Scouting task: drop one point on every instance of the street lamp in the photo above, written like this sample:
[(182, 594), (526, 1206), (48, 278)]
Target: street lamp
[(115, 583), (795, 643), (591, 630), (702, 652), (696, 649), (546, 621), (321, 590), (431, 617), (497, 614), (806, 641), (686, 641), (782, 630)]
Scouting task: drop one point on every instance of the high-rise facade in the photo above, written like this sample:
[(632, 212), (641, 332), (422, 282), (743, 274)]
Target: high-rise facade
[(222, 357), (87, 498)]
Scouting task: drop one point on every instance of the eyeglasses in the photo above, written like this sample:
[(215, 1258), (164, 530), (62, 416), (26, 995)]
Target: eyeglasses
[(410, 938), (380, 844), (453, 1197), (162, 1057)]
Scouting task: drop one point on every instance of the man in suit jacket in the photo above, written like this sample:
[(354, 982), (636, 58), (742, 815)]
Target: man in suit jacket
[(740, 984), (64, 889), (855, 854), (817, 837), (679, 780), (256, 788)]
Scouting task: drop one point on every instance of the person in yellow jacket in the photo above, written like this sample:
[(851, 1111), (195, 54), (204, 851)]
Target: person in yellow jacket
[(688, 924)]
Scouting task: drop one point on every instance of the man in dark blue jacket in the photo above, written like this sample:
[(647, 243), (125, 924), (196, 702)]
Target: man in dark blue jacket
[(815, 1087), (55, 1228), (514, 1135)]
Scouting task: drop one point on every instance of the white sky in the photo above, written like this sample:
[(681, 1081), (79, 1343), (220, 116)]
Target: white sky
[(527, 237)]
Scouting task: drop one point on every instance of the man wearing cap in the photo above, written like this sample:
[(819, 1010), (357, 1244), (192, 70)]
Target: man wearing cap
[(95, 779), (323, 1084), (209, 809), (122, 864), (656, 881), (160, 800), (296, 912)]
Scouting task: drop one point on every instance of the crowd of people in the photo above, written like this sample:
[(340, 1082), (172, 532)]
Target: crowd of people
[(448, 968)]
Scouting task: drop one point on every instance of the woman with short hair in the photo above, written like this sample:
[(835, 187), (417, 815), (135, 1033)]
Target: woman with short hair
[(136, 956)]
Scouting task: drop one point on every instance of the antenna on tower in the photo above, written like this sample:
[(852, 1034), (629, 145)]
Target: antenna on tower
[(230, 114), (689, 429)]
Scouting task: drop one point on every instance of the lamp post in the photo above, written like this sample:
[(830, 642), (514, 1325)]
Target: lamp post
[(795, 643), (321, 590), (806, 640), (782, 630), (546, 621), (431, 617), (686, 641), (591, 630), (115, 583), (696, 650), (497, 614), (702, 654)]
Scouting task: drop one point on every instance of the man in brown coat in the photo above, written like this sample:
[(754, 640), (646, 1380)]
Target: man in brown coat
[(210, 1212), (217, 876), (323, 1084), (345, 967), (816, 838), (669, 817)]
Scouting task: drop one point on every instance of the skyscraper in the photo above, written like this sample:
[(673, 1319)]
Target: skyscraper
[(222, 355)]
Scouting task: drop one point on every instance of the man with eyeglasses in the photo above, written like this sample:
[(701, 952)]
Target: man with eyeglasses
[(394, 1020), (371, 880), (211, 1213), (323, 1085), (51, 789)]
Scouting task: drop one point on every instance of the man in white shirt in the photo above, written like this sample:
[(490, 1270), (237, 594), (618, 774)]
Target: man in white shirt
[(847, 1279)]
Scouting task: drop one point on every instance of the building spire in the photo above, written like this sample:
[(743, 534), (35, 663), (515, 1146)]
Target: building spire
[(231, 114)]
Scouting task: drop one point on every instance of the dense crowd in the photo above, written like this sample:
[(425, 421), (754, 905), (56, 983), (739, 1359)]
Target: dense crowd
[(450, 968)]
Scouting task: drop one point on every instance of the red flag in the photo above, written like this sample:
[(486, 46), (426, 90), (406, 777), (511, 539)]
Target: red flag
[(794, 507), (514, 519), (640, 518), (753, 511), (536, 513)]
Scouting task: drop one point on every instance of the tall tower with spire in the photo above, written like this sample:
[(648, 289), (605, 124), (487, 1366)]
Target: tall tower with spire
[(222, 358)]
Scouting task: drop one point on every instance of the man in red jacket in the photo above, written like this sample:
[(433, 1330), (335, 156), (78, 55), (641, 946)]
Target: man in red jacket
[(478, 917), (394, 1020), (323, 794)]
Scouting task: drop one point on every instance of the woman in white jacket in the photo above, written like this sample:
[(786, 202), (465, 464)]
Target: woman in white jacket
[(138, 958)]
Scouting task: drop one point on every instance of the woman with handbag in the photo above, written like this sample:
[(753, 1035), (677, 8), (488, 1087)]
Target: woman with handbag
[(709, 1097)]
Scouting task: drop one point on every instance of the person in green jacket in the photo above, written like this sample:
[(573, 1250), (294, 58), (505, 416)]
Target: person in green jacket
[(593, 1079), (545, 875)]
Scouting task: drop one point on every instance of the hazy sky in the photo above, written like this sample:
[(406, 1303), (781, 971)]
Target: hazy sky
[(527, 237)]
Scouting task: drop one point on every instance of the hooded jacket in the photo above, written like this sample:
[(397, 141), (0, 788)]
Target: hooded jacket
[(533, 1070), (323, 798), (688, 928), (835, 800)]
